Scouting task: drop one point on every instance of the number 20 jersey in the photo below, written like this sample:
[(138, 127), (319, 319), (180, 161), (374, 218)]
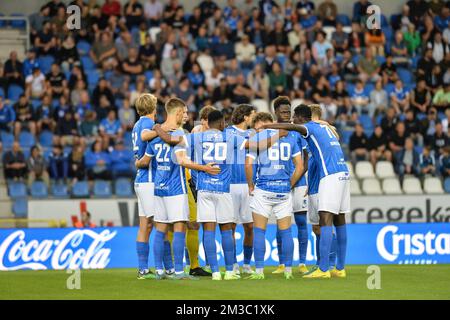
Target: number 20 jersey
[(218, 147)]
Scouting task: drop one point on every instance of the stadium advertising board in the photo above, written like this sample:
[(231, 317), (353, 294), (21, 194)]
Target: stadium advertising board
[(99, 248), (366, 209)]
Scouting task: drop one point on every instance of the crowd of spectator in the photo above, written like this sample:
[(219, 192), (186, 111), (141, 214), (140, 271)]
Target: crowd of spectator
[(386, 89)]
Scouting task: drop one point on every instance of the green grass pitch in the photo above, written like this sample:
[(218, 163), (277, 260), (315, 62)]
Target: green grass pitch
[(397, 282)]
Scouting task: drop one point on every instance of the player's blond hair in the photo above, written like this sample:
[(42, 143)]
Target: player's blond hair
[(173, 104), (262, 117), (146, 104), (316, 111), (205, 111)]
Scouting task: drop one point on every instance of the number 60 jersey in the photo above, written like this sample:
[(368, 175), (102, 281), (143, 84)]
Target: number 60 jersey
[(218, 147)]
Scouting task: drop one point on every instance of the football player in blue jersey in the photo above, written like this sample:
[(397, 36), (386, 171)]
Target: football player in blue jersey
[(171, 204), (241, 118), (272, 191), (313, 179), (333, 191), (143, 184), (282, 107)]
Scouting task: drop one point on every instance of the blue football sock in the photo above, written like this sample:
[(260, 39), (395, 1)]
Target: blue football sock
[(326, 237), (186, 256), (179, 241), (168, 262), (158, 249), (234, 250), (204, 249), (211, 250), (142, 249), (227, 247), (341, 236), (259, 246), (302, 227), (318, 248), (287, 242), (280, 248), (333, 252), (248, 252)]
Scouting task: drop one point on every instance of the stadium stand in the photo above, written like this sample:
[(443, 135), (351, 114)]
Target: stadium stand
[(84, 75)]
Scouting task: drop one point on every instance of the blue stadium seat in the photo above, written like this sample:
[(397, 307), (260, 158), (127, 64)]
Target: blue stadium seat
[(447, 185), (2, 22), (46, 139), (88, 63), (35, 103), (45, 63), (80, 189), (2, 92), (381, 59), (20, 208), (344, 19), (418, 149), (26, 139), (14, 92), (17, 190), (405, 75), (7, 140), (39, 190), (368, 88), (394, 20), (59, 190), (83, 48), (366, 122), (378, 119), (389, 88), (389, 35), (345, 136), (148, 75), (19, 24), (384, 21), (92, 77), (123, 188), (102, 189), (128, 141), (282, 60)]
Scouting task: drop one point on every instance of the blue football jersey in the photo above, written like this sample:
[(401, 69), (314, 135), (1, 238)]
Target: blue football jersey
[(238, 167), (302, 146), (325, 149), (313, 176), (274, 165), (169, 177), (139, 146), (218, 147)]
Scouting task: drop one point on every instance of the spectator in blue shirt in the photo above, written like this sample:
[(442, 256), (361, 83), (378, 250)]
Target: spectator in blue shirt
[(427, 162), (444, 162), (360, 10), (110, 129), (30, 63), (98, 163), (122, 164), (7, 116), (196, 76), (400, 97), (58, 164)]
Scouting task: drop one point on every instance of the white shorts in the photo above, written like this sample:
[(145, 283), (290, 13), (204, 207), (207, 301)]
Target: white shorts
[(171, 209), (146, 199), (241, 203), (265, 203), (214, 207), (313, 212), (334, 193), (299, 199)]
